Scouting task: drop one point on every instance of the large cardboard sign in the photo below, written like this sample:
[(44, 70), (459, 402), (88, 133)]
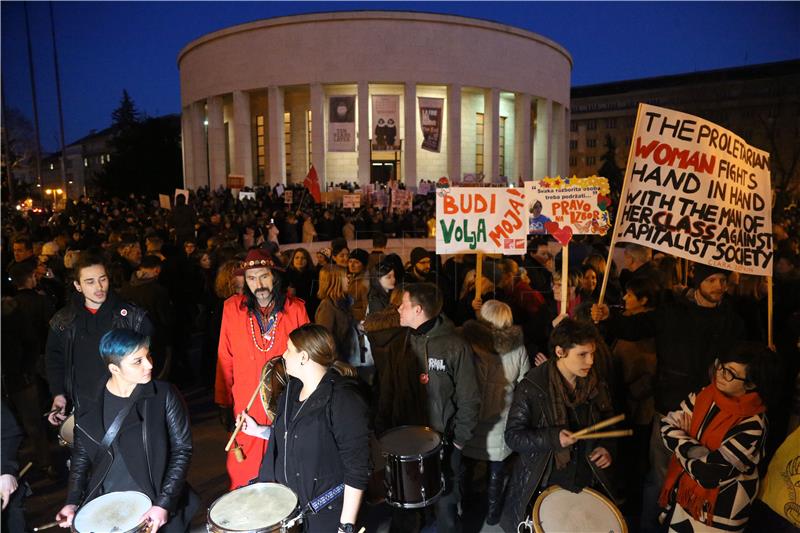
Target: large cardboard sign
[(385, 122), (430, 119), (351, 201), (697, 191), (578, 206), (342, 124), (402, 200), (481, 219)]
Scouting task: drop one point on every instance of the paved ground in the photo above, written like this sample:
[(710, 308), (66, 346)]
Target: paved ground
[(207, 475)]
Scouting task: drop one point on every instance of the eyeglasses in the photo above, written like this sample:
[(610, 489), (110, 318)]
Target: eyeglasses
[(728, 374)]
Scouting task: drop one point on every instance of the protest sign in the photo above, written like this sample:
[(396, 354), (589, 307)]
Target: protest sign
[(288, 197), (430, 119), (184, 192), (342, 124), (402, 200), (697, 191), (279, 188), (575, 205), (247, 195), (163, 201), (481, 219), (351, 201)]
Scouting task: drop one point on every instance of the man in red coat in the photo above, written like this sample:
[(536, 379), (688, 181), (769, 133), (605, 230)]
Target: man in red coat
[(255, 329)]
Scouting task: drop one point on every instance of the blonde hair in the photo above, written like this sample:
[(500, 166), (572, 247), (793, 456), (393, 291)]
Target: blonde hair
[(224, 286), (332, 283), (469, 284), (497, 314)]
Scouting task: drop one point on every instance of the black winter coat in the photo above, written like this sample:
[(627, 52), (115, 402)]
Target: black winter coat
[(155, 440), (532, 433)]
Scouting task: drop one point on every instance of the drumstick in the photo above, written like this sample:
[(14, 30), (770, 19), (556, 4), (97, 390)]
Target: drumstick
[(600, 425), (46, 526), (606, 434), (25, 470), (241, 419)]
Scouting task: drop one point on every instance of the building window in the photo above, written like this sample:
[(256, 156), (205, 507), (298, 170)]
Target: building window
[(308, 136), (261, 155), (287, 143), (591, 160), (478, 143), (573, 161), (591, 143), (108, 158), (573, 125), (573, 144), (501, 146), (611, 123), (591, 124)]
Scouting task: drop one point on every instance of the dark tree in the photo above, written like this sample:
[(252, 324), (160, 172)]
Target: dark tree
[(610, 170), (126, 115)]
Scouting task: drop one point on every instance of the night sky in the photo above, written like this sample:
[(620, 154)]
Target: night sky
[(106, 47)]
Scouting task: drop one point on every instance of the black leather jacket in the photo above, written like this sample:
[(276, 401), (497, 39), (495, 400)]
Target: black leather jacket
[(157, 453)]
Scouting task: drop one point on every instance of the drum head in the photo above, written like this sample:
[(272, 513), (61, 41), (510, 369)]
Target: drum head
[(115, 512), (256, 506), (410, 441), (563, 511), (67, 429)]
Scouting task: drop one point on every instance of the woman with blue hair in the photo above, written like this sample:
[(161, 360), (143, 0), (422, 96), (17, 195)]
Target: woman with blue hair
[(150, 446)]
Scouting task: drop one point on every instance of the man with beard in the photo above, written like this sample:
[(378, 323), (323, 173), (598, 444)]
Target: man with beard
[(255, 329), (689, 334), (74, 365), (419, 271)]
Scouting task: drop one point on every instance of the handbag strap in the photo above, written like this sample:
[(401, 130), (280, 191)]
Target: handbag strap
[(112, 431)]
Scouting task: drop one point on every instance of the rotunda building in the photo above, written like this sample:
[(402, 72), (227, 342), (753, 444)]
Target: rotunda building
[(370, 96)]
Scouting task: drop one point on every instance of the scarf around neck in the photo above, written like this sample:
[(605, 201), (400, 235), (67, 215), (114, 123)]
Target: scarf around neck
[(561, 398)]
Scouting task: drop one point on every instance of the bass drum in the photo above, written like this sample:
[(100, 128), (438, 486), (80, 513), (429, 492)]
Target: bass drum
[(558, 510), (257, 508), (115, 512), (413, 470)]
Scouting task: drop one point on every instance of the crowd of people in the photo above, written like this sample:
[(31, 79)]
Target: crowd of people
[(111, 307)]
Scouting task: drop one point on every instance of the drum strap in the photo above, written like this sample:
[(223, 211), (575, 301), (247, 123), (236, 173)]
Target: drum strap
[(111, 432), (325, 498)]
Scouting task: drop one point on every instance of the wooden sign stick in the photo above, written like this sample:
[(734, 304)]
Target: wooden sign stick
[(478, 277), (565, 279), (770, 302), (239, 424)]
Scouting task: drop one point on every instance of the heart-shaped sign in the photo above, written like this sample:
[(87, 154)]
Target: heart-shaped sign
[(562, 235), (603, 202)]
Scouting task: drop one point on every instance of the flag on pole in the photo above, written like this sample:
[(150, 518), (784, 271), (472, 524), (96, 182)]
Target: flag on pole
[(312, 184)]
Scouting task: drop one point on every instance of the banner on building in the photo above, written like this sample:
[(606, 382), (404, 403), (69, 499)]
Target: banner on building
[(697, 191), (351, 201), (342, 123), (402, 200), (578, 206), (481, 219), (430, 118), (385, 122)]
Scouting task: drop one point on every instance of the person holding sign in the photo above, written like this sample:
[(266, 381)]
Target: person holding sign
[(689, 332)]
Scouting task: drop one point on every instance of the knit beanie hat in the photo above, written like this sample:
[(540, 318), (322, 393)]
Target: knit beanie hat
[(418, 254), (701, 272), (360, 255)]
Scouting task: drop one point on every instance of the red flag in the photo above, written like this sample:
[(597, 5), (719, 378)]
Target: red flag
[(312, 184)]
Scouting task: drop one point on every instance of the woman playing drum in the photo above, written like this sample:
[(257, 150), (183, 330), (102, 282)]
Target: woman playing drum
[(551, 402), (319, 443), (152, 447)]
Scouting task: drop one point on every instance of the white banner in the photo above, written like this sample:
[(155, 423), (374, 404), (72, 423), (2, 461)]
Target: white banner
[(385, 122), (698, 191), (481, 219), (342, 123)]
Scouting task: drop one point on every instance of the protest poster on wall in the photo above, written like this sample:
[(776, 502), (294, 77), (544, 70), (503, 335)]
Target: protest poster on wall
[(481, 219), (351, 201), (578, 206), (342, 123), (697, 191), (385, 122), (430, 119), (402, 200), (288, 197)]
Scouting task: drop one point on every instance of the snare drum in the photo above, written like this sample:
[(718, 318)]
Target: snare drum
[(66, 431), (115, 512), (257, 508), (413, 471), (562, 511)]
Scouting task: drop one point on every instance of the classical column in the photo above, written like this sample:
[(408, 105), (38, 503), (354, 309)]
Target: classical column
[(187, 148), (318, 131), (242, 163), (410, 141), (216, 142), (542, 145), (491, 134), (364, 163), (453, 132), (523, 151), (277, 140), (557, 141), (199, 141)]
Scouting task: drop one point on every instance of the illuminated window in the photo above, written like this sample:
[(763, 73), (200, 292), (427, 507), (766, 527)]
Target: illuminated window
[(261, 157), (85, 161), (287, 143), (501, 146), (478, 143), (108, 158), (52, 166)]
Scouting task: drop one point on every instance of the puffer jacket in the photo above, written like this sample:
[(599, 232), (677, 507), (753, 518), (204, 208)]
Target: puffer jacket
[(501, 361), (532, 433)]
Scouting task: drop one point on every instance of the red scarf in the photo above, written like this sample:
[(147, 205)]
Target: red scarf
[(691, 496)]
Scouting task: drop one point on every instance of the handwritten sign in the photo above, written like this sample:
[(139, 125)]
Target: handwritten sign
[(402, 200), (481, 219), (288, 197), (351, 201), (698, 191), (580, 204)]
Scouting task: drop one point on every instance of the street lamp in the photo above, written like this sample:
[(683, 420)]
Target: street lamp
[(55, 193)]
